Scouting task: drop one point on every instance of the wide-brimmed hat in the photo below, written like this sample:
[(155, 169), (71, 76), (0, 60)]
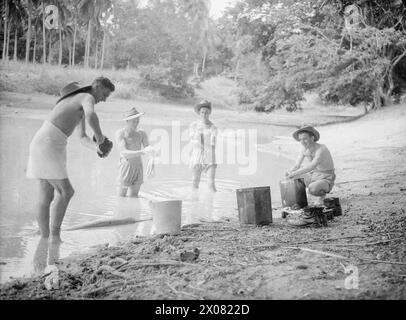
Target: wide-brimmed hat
[(73, 88), (132, 114), (308, 129), (202, 104)]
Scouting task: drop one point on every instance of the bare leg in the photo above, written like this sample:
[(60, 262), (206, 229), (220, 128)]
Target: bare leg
[(133, 190), (197, 172), (53, 253), (211, 172), (319, 189), (46, 196), (40, 256), (64, 192), (122, 191)]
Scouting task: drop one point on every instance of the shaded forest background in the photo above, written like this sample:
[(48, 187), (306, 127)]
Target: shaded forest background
[(348, 52)]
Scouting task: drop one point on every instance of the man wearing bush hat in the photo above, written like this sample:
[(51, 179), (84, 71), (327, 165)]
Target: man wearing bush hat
[(47, 156), (319, 174)]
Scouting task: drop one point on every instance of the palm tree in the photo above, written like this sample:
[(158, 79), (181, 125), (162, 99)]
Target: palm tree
[(44, 53), (107, 12), (28, 41), (18, 14), (6, 14), (15, 17), (87, 11), (198, 12), (103, 48), (91, 12), (63, 28), (37, 26), (75, 14)]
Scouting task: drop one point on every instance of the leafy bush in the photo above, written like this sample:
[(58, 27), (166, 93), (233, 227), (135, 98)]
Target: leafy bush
[(307, 49), (170, 81)]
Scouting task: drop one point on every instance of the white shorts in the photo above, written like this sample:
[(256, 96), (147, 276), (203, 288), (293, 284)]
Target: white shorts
[(47, 158)]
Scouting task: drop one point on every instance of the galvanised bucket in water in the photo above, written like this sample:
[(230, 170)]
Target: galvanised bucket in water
[(254, 205), (293, 193), (166, 216)]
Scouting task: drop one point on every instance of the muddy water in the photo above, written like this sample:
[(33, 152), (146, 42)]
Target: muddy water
[(22, 252)]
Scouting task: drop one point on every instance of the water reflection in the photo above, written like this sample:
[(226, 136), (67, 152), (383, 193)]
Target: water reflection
[(95, 198)]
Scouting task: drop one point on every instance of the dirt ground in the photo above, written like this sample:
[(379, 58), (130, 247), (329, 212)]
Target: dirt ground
[(224, 260)]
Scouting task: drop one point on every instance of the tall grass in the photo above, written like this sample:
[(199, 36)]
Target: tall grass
[(49, 79)]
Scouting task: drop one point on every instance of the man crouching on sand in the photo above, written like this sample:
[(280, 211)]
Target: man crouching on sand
[(47, 157), (319, 175)]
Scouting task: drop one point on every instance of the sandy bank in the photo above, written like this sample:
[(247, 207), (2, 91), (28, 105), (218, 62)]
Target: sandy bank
[(37, 105)]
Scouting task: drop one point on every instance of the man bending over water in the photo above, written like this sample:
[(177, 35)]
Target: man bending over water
[(319, 175), (47, 157)]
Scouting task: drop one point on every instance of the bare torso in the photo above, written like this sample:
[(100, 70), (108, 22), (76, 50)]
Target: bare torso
[(67, 114), (325, 160)]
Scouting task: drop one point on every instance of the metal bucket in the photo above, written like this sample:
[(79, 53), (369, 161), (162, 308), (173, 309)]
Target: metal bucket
[(293, 193), (254, 205), (166, 216)]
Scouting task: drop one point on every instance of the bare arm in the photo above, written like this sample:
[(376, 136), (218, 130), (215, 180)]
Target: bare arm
[(92, 118), (298, 162), (123, 149), (311, 166), (84, 139), (145, 141), (213, 140)]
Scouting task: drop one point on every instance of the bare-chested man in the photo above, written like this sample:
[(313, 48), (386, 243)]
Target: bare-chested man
[(319, 174), (47, 158)]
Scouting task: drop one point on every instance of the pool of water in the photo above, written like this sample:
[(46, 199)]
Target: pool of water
[(21, 251)]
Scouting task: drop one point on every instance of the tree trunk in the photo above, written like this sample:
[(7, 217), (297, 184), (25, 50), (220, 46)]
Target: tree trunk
[(378, 95), (60, 44), (204, 61), (8, 40), (44, 49), (28, 41), (5, 29), (50, 47), (74, 42), (70, 55), (196, 70), (15, 44), (390, 73), (103, 49), (237, 69), (35, 47), (87, 48), (95, 56)]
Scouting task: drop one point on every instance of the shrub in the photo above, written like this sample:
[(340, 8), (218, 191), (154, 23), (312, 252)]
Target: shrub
[(170, 81)]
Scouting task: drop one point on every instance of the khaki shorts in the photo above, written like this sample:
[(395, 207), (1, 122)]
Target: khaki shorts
[(320, 176), (130, 172)]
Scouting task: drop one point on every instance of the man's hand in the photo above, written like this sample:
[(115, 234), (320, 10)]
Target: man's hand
[(104, 148), (149, 150), (99, 140)]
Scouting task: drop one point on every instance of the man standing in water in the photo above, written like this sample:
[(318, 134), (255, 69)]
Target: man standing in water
[(203, 135), (319, 174), (47, 157)]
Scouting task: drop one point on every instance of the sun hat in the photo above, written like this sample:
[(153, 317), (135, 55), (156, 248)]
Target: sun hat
[(72, 88), (308, 129), (202, 104), (132, 114)]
